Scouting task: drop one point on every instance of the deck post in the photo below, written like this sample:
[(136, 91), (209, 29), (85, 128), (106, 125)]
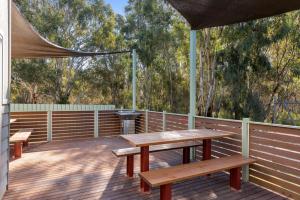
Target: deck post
[(146, 120), (245, 147), (96, 121), (191, 125), (49, 126), (164, 121), (134, 61), (192, 112)]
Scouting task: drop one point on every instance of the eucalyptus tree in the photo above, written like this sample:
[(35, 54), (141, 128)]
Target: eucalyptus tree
[(84, 25), (159, 36)]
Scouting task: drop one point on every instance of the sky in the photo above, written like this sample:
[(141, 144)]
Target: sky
[(117, 5)]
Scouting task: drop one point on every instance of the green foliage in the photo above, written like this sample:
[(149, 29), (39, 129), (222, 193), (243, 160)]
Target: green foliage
[(244, 66)]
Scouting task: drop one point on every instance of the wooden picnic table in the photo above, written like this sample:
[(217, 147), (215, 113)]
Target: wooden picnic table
[(145, 140)]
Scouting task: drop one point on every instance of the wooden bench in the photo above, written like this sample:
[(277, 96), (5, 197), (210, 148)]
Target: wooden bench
[(166, 176), (19, 139), (130, 152)]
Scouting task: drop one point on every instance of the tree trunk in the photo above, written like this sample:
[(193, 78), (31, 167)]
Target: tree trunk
[(201, 86)]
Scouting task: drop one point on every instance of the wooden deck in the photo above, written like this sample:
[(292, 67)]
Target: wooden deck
[(86, 169)]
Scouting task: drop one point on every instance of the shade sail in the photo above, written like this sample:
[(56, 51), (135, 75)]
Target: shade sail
[(28, 43), (210, 13)]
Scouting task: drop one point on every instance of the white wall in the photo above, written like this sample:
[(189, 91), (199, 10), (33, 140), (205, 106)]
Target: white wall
[(4, 92)]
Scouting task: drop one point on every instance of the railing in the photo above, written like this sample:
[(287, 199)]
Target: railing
[(64, 122), (276, 147)]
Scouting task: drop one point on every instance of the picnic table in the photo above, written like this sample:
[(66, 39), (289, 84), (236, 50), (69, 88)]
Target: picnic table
[(147, 139)]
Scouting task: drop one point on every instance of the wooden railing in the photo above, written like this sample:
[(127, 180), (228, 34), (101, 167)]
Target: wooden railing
[(223, 146), (276, 147), (64, 122)]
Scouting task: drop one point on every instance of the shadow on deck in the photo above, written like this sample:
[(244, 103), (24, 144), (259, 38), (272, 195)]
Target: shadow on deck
[(86, 169)]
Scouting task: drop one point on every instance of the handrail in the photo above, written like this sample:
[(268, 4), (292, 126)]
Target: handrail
[(229, 120), (276, 125), (58, 107)]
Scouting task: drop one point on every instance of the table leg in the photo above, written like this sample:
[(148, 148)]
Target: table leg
[(144, 167), (130, 165), (186, 155), (165, 192), (235, 178), (206, 149)]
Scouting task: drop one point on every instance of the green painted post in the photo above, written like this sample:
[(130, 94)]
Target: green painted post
[(134, 61), (96, 126), (164, 121), (245, 147), (192, 113), (146, 121), (193, 43), (49, 126)]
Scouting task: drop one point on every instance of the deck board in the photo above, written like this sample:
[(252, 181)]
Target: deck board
[(86, 169)]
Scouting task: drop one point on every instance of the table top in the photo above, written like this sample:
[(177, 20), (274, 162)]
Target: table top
[(147, 139)]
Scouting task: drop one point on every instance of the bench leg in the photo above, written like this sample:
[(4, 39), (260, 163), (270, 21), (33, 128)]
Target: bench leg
[(235, 178), (18, 149), (165, 192), (144, 167), (25, 144), (186, 155), (206, 149), (130, 165)]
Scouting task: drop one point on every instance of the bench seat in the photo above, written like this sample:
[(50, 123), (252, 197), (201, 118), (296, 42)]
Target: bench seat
[(131, 151), (166, 176), (19, 139)]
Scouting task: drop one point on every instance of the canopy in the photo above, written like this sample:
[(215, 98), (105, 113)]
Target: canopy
[(28, 43), (210, 13)]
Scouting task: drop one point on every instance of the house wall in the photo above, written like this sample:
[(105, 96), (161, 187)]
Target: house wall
[(4, 92)]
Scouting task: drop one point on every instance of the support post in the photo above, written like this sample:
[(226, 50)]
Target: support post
[(146, 120), (96, 126), (193, 43), (134, 61), (245, 147), (191, 125), (164, 121), (192, 113), (49, 126)]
